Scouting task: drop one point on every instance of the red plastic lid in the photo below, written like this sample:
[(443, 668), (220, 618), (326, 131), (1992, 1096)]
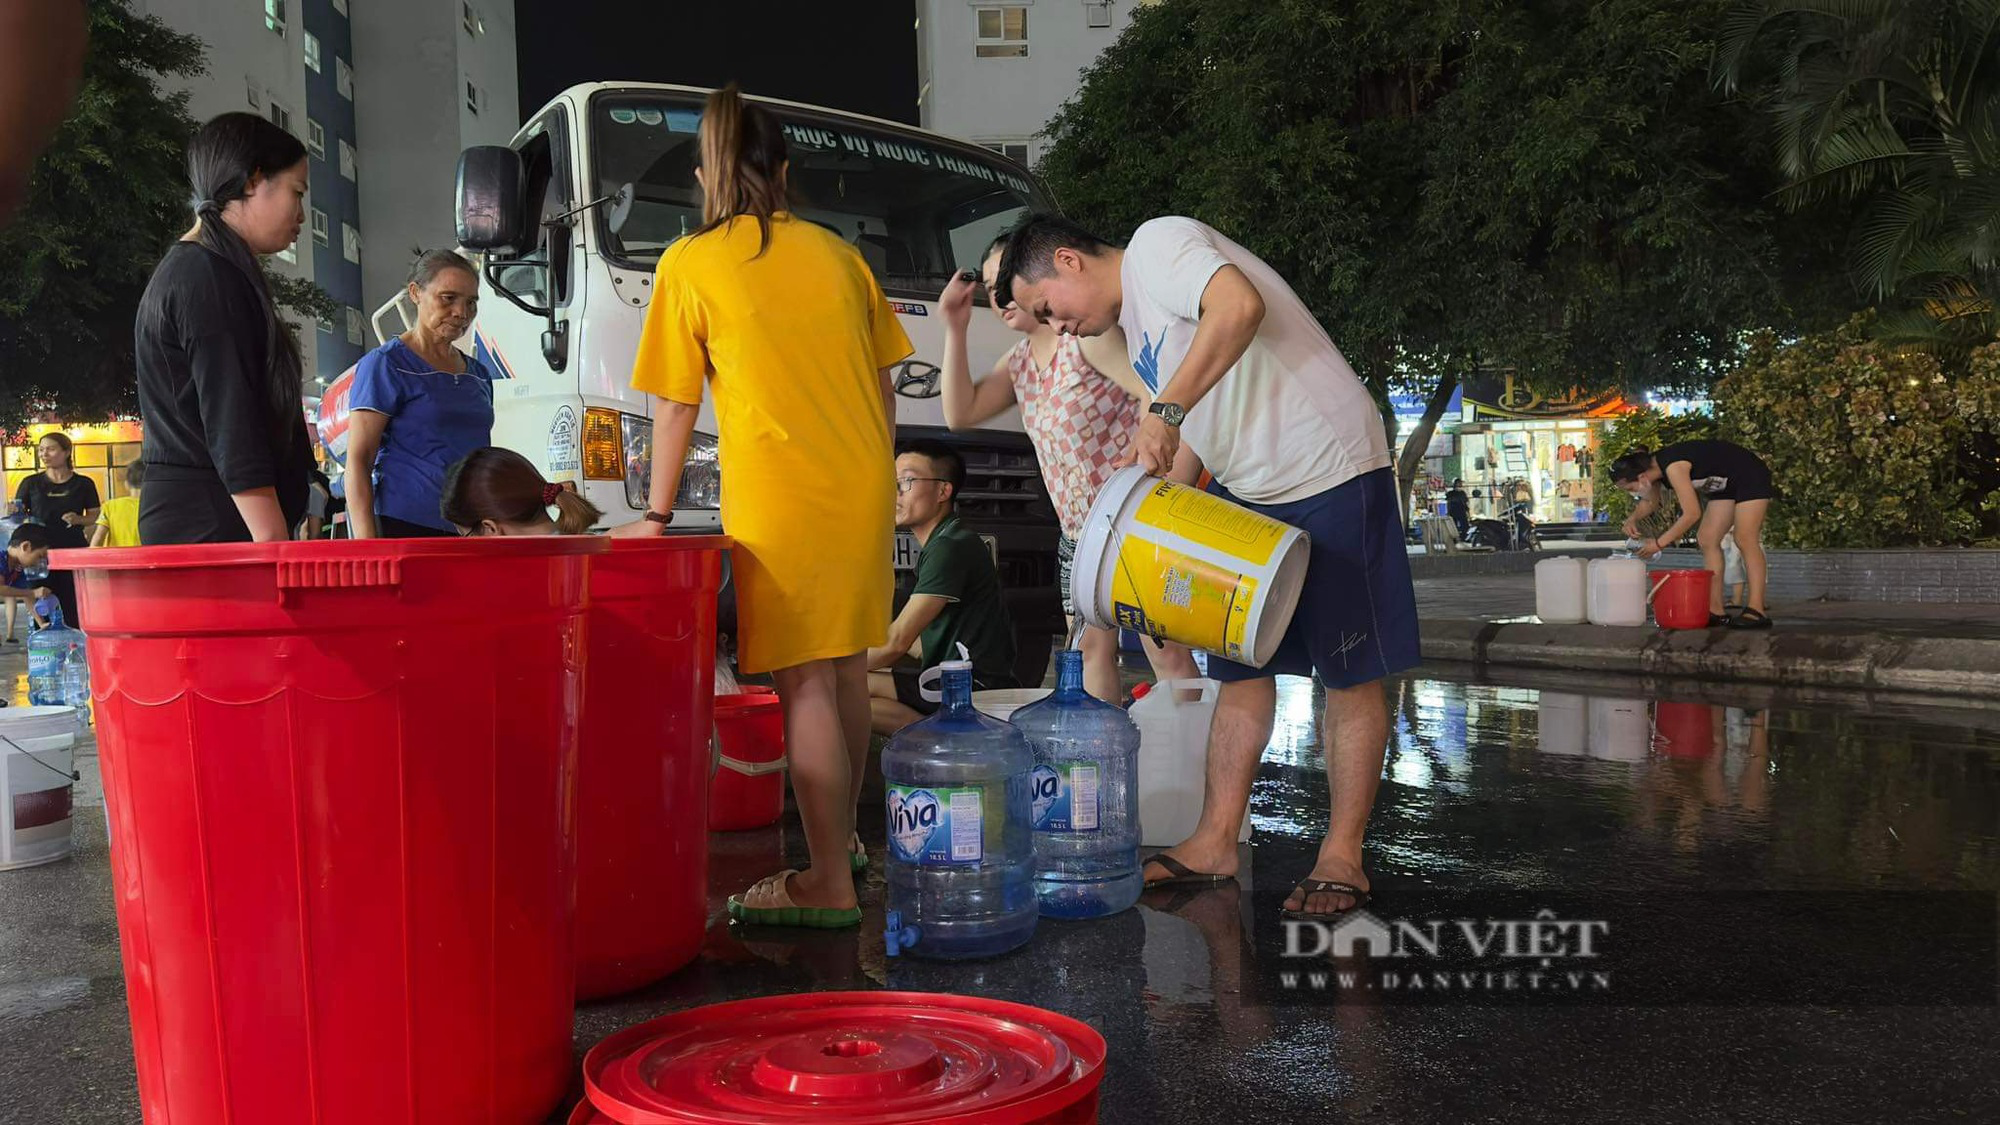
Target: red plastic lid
[(1141, 691), (868, 1058)]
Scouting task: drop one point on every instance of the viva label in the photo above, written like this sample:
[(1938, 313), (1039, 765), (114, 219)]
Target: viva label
[(1211, 521), (1169, 595), (937, 826), (1065, 798)]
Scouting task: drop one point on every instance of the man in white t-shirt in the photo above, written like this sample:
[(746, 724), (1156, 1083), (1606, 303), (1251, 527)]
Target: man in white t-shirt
[(1247, 384)]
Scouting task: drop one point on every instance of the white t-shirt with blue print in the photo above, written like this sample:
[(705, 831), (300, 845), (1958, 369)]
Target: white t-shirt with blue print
[(1291, 419)]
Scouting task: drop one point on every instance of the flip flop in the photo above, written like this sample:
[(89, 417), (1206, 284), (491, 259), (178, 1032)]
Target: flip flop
[(1181, 875), (1311, 887), (768, 904), (857, 855), (1750, 619)]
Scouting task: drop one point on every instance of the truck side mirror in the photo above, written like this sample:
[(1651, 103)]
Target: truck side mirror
[(492, 200)]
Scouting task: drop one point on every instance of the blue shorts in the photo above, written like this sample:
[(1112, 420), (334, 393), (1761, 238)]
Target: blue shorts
[(1357, 616)]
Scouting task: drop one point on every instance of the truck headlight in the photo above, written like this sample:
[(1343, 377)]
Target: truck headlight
[(701, 475), (635, 437)]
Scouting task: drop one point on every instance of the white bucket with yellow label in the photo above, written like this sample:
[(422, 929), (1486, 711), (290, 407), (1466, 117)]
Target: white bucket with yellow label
[(1178, 564)]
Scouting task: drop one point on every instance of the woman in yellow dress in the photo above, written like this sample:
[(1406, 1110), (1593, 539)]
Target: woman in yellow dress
[(782, 321)]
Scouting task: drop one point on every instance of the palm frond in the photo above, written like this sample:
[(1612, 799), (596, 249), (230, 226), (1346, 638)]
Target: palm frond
[(1892, 225)]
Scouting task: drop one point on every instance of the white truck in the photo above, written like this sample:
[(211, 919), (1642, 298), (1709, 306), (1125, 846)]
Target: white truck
[(567, 224)]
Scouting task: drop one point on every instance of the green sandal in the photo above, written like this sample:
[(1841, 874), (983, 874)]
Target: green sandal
[(857, 856), (768, 904)]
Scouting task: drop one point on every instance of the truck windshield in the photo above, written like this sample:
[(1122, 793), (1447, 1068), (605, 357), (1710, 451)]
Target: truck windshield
[(916, 208)]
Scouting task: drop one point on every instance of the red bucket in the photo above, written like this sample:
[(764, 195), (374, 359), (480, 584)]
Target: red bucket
[(1680, 598), (1685, 730), (341, 779), (864, 1058), (642, 828), (748, 790)]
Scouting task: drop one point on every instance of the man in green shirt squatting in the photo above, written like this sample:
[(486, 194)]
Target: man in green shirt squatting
[(956, 598)]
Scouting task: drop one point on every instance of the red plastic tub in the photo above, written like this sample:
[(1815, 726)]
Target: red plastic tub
[(642, 774), (861, 1058), (1685, 730), (341, 779), (749, 786), (1680, 598)]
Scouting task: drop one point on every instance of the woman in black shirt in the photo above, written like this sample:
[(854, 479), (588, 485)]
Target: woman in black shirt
[(1723, 487), (66, 503), (227, 455)]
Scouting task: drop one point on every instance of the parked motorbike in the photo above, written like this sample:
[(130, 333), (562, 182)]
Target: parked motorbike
[(1516, 533)]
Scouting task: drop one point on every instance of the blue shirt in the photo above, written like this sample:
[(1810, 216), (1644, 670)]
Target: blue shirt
[(435, 418)]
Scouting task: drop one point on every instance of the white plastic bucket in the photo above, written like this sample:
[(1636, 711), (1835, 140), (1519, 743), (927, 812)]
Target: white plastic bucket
[(1178, 564), (36, 747), (1563, 723), (1173, 759), (1559, 590), (1001, 703), (1617, 591)]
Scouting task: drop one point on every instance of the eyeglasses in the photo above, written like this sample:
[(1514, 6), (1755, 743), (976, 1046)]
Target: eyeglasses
[(904, 484)]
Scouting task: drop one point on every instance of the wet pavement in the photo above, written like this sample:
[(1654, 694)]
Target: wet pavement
[(1796, 892)]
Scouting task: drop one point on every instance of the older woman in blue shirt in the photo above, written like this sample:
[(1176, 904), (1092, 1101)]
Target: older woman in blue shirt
[(417, 405)]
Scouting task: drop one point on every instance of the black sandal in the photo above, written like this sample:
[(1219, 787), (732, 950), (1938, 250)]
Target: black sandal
[(1310, 887), (1750, 619), (1720, 621), (1181, 875)]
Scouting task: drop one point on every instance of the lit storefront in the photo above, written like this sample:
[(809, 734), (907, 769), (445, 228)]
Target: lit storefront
[(102, 449), (1510, 446)]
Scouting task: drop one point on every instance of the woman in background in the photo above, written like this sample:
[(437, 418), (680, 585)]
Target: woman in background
[(499, 492), (1721, 486), (66, 502)]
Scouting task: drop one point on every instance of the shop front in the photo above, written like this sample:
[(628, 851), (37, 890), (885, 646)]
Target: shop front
[(1510, 446)]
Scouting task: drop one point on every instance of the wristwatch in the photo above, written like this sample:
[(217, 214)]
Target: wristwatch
[(656, 517), (1170, 413)]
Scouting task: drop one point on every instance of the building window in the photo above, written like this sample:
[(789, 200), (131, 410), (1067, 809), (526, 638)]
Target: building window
[(353, 325), (346, 159), (315, 138), (311, 42), (350, 242), (1012, 150), (274, 15), (319, 227), (256, 99), (340, 6), (343, 78), (281, 117), (472, 98), (1096, 14), (473, 24), (1003, 33)]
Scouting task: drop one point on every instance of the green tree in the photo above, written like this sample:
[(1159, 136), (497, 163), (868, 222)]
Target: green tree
[(1895, 103), (108, 196), (1549, 187)]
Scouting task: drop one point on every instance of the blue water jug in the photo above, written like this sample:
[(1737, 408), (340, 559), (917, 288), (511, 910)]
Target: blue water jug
[(1086, 798), (961, 850), (58, 667)]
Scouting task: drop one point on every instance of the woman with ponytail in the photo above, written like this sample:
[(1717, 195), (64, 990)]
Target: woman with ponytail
[(226, 451), (499, 492), (783, 323)]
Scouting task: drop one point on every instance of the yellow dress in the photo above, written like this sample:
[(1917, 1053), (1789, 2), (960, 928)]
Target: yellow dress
[(791, 343), (122, 517)]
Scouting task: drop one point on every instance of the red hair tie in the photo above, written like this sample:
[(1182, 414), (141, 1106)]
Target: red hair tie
[(550, 493)]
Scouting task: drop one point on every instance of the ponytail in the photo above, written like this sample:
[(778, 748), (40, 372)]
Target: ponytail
[(222, 158), (742, 153), (503, 486), (1630, 464)]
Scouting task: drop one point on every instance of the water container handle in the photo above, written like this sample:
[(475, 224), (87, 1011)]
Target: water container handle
[(1210, 689), (1661, 581), (928, 680), (337, 574), (753, 769)]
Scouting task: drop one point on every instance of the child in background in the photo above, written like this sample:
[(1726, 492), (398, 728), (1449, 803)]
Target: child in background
[(118, 519), (26, 551), (499, 492)]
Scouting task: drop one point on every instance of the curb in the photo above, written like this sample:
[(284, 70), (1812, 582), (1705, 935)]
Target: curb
[(1865, 660)]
